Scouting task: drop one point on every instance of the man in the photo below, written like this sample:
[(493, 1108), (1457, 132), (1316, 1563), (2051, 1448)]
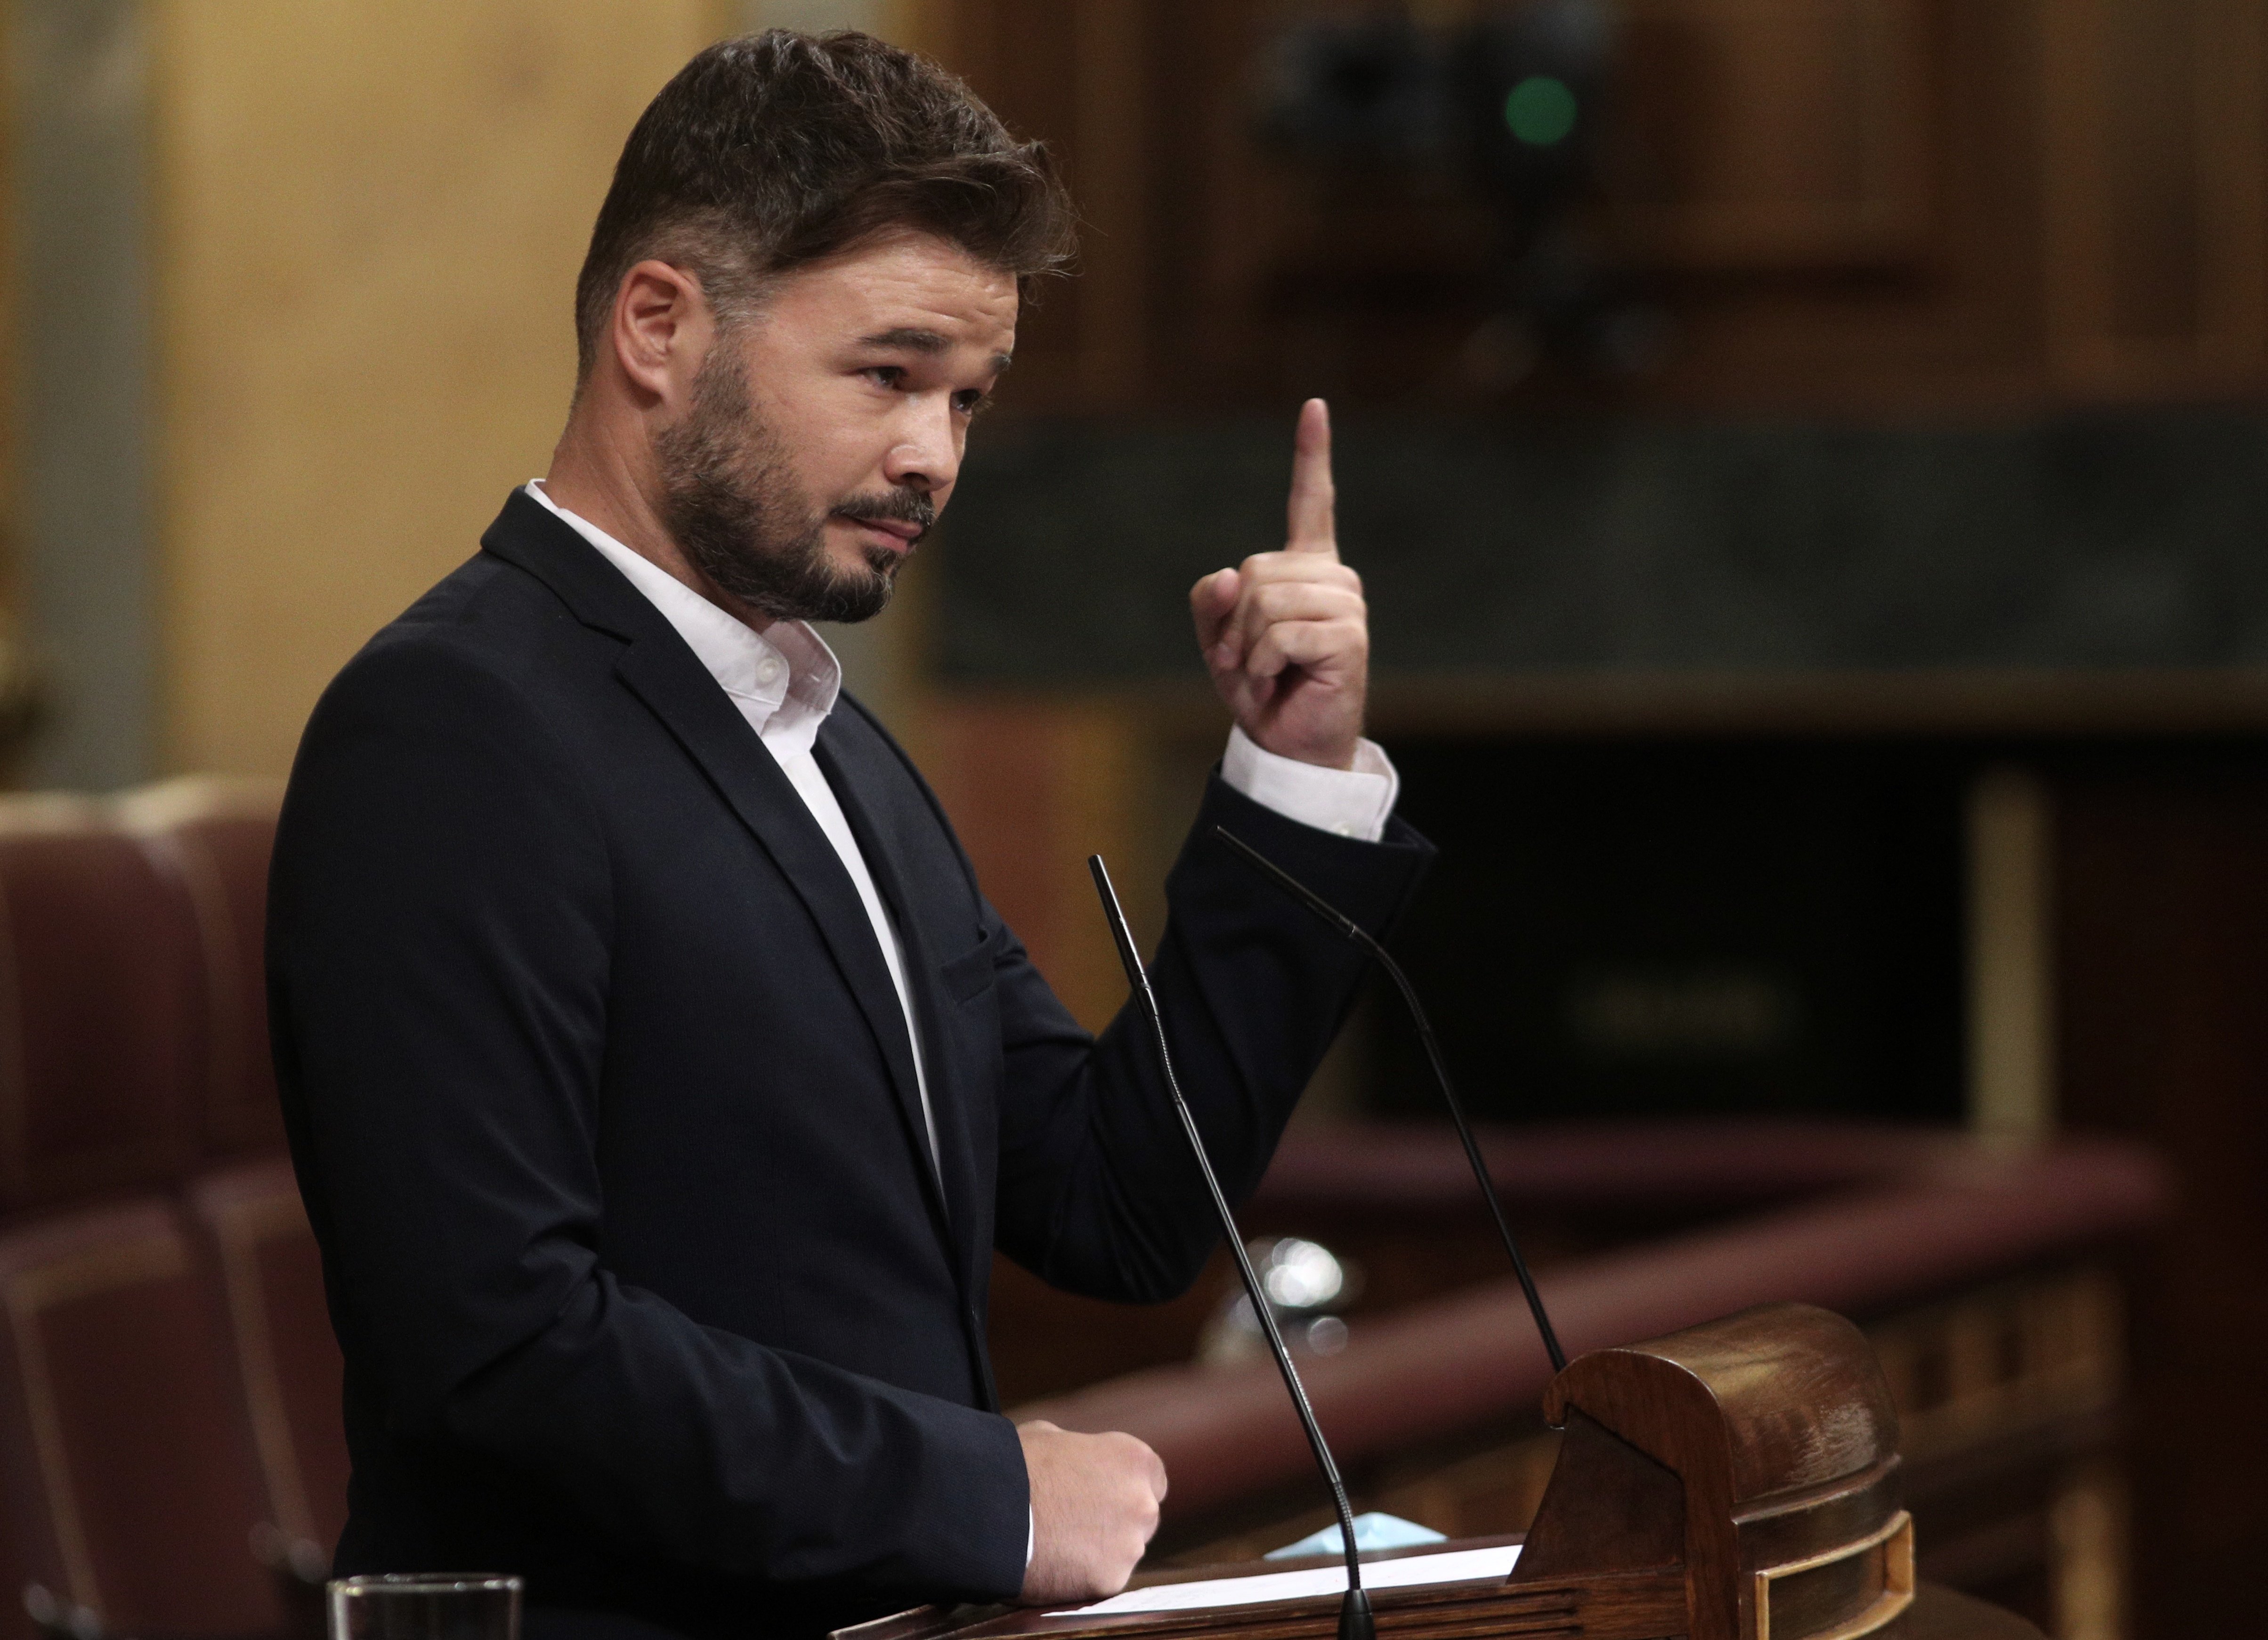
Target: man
[(659, 1079)]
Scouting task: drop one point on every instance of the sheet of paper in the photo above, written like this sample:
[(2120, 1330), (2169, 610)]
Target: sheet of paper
[(1293, 1585)]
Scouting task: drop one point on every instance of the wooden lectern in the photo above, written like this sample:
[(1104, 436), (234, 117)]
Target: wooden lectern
[(1736, 1481)]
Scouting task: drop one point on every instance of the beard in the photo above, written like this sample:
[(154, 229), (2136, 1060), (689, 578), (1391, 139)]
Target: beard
[(730, 497)]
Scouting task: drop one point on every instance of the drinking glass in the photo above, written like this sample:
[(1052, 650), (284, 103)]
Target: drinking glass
[(425, 1606)]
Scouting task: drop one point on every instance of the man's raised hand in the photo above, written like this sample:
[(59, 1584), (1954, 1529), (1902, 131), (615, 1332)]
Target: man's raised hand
[(1285, 635), (1095, 1505)]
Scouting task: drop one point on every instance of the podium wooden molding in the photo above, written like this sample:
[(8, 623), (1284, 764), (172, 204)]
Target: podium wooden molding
[(1736, 1480)]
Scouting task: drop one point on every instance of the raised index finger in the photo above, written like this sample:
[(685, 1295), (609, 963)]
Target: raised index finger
[(1310, 516)]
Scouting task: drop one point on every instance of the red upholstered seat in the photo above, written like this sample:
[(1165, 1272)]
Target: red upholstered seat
[(212, 838), (128, 1471), (100, 1006), (288, 1360)]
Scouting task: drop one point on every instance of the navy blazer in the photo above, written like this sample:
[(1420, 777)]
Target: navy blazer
[(604, 1109)]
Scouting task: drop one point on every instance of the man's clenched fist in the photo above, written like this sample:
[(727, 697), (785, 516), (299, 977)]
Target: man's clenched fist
[(1095, 1505), (1285, 635)]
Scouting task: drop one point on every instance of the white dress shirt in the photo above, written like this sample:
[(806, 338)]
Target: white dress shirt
[(785, 681)]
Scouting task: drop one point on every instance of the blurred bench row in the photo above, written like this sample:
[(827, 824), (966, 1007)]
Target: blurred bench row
[(169, 1388)]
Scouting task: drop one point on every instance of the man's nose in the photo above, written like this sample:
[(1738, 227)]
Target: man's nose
[(927, 455)]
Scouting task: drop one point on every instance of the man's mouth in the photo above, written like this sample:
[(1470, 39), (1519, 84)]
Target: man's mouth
[(904, 530)]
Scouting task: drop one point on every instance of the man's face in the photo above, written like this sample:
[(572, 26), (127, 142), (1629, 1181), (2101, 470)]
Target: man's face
[(826, 432)]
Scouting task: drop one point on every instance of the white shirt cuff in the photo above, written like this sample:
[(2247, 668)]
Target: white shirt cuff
[(1350, 802)]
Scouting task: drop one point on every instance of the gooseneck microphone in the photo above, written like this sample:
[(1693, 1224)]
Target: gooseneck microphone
[(1354, 932), (1355, 1621)]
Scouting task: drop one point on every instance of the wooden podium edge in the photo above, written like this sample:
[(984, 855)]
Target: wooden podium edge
[(925, 1622), (1635, 1604), (1934, 1613)]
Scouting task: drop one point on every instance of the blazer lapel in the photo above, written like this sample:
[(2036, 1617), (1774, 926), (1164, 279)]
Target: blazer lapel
[(855, 786), (662, 673), (851, 769)]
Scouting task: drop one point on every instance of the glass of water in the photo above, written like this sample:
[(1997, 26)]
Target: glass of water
[(425, 1606)]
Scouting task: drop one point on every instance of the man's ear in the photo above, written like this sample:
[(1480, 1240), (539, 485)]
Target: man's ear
[(661, 332)]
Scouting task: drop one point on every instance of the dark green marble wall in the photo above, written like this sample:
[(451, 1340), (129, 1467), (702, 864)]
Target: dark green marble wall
[(2133, 540)]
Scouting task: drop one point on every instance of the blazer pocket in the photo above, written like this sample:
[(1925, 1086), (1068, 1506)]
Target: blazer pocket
[(969, 975)]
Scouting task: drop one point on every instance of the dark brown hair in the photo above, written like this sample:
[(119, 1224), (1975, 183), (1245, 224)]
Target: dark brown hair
[(775, 149)]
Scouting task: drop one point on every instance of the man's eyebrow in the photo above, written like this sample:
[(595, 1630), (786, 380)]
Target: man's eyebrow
[(913, 338)]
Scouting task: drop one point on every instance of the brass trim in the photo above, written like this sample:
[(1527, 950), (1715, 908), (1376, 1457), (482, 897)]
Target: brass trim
[(1894, 1537)]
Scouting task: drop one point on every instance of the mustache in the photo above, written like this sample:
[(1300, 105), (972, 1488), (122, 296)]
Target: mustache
[(900, 506)]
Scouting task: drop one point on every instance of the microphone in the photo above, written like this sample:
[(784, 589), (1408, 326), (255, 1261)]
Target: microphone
[(1355, 1620), (1354, 932)]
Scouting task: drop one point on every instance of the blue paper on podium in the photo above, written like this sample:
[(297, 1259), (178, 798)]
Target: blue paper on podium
[(1376, 1530)]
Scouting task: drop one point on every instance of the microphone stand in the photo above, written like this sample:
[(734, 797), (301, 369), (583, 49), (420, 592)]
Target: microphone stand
[(1351, 929), (1355, 1619)]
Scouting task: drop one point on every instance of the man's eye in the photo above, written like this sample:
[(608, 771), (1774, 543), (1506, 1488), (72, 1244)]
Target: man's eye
[(969, 401), (884, 375)]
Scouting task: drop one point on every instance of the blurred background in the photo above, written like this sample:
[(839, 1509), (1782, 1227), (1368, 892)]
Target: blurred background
[(1808, 459)]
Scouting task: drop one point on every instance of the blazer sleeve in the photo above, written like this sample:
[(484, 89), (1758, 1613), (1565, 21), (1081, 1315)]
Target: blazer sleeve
[(1098, 1193), (438, 957)]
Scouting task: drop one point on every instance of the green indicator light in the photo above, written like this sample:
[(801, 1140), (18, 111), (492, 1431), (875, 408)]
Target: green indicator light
[(1541, 111)]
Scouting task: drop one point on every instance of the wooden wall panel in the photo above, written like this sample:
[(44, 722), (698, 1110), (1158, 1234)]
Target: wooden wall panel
[(1076, 75), (2155, 196), (1773, 133), (1941, 206)]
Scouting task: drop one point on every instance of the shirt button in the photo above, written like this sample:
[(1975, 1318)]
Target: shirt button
[(1344, 831), (768, 671)]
